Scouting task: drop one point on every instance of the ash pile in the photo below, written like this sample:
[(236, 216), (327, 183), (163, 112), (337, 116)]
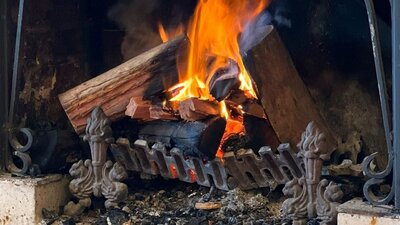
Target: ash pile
[(159, 201)]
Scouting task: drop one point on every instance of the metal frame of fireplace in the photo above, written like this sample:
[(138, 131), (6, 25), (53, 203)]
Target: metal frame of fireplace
[(392, 139), (396, 96), (3, 85), (8, 98)]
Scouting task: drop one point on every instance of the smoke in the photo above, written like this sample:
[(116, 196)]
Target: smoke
[(255, 31), (136, 18), (278, 13), (281, 12), (140, 18)]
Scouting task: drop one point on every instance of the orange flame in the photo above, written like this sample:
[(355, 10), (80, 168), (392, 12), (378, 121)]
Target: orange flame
[(170, 34), (213, 33)]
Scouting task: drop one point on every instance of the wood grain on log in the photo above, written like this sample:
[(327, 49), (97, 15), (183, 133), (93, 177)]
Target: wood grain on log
[(137, 108), (145, 75), (158, 113), (144, 110), (284, 97), (193, 109)]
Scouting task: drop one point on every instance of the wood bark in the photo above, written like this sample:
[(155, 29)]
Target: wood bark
[(284, 97), (145, 75)]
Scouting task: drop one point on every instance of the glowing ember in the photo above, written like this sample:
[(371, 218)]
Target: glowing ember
[(233, 126), (173, 171), (192, 175)]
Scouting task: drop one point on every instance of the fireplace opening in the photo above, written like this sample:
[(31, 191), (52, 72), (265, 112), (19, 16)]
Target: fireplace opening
[(197, 112)]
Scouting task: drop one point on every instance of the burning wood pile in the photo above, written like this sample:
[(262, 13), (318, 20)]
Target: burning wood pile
[(197, 92)]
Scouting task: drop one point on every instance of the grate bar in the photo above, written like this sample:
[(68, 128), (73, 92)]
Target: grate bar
[(245, 169)]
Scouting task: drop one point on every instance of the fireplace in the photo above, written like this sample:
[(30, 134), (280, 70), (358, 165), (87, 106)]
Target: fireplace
[(251, 99)]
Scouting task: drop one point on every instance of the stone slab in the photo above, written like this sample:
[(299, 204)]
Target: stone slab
[(357, 212), (22, 199)]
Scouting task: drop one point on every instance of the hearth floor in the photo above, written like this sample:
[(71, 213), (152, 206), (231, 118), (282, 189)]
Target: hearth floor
[(161, 201)]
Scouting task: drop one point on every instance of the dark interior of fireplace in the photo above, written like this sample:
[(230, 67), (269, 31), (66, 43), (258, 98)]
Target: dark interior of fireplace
[(65, 43)]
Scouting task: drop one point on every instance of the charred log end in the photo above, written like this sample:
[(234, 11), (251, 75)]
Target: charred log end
[(198, 138), (211, 137), (260, 132)]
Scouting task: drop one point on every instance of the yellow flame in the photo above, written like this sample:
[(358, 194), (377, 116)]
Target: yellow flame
[(163, 33), (213, 34), (224, 110)]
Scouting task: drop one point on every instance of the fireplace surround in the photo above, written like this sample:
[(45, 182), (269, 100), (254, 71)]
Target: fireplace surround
[(59, 53)]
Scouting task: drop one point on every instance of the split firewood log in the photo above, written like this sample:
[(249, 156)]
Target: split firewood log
[(146, 75), (138, 109), (144, 110), (284, 96), (193, 109)]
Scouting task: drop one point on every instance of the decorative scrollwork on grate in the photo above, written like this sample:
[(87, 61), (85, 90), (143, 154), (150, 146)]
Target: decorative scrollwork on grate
[(97, 176), (311, 197), (376, 178)]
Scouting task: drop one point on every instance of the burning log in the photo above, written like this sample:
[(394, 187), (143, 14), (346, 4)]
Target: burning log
[(193, 109), (237, 97), (224, 80), (251, 107), (198, 138), (144, 110), (254, 109), (145, 75), (284, 97), (158, 113)]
